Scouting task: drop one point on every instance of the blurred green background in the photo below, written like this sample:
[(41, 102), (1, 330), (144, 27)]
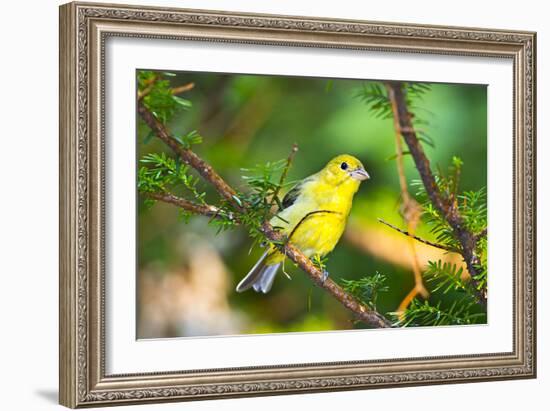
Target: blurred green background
[(187, 273)]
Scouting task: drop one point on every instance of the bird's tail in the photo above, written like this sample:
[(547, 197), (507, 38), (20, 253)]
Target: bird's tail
[(260, 277)]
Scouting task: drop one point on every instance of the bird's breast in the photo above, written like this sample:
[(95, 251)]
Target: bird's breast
[(317, 219), (318, 233)]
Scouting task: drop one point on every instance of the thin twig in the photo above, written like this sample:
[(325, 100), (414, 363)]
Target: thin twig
[(436, 245), (183, 88), (400, 312), (148, 87), (289, 160), (201, 209)]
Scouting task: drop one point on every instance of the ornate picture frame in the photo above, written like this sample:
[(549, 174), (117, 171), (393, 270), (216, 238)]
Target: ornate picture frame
[(84, 29)]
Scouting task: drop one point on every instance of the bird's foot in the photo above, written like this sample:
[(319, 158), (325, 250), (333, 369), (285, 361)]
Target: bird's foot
[(325, 275)]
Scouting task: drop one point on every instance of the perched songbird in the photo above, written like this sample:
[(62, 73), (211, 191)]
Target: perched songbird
[(313, 217)]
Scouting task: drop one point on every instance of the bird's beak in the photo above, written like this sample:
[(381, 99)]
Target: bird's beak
[(359, 174)]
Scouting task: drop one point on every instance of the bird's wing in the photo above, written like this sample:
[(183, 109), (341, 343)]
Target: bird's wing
[(291, 197)]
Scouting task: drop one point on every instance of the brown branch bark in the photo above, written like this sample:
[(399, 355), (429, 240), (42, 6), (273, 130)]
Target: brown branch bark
[(482, 233), (363, 313), (360, 311), (411, 213), (445, 206), (202, 209), (441, 247), (189, 157), (183, 89)]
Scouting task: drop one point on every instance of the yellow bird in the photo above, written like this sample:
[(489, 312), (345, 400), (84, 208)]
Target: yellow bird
[(313, 217)]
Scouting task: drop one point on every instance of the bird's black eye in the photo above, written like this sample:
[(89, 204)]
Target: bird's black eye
[(344, 166)]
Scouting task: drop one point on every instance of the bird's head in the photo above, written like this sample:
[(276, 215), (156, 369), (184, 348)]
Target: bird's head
[(343, 169)]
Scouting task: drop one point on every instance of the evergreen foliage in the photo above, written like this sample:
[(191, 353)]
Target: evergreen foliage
[(367, 289), (423, 313), (444, 278), (259, 201), (161, 173)]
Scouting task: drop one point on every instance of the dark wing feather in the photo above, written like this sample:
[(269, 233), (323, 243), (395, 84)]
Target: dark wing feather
[(294, 193), (291, 196)]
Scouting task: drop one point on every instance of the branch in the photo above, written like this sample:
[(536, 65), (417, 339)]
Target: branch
[(183, 89), (411, 213), (482, 233), (404, 123), (202, 209), (190, 158), (361, 312), (440, 246), (443, 205), (151, 83)]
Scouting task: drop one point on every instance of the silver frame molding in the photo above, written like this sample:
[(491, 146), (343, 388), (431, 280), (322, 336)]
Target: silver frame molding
[(84, 27)]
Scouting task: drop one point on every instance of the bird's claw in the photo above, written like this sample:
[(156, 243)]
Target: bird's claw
[(325, 275)]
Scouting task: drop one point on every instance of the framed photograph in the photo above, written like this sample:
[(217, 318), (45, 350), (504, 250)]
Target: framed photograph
[(261, 205)]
